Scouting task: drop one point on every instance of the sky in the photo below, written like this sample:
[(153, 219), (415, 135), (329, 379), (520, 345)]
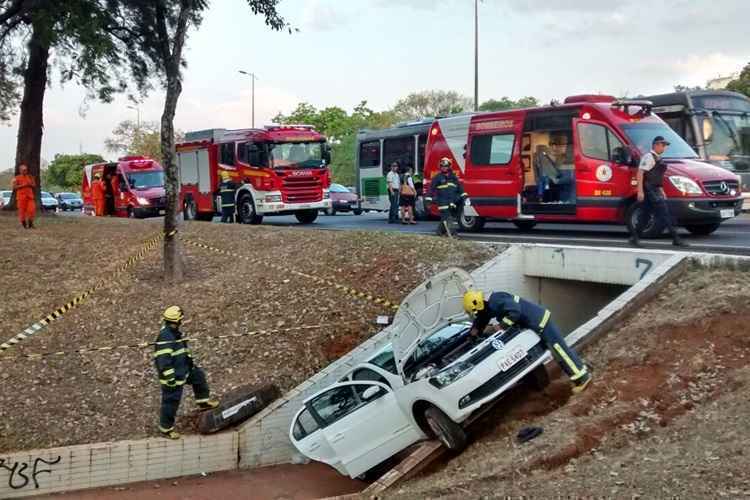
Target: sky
[(347, 51)]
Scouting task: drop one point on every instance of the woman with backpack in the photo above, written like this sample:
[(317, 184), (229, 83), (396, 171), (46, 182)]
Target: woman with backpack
[(408, 197)]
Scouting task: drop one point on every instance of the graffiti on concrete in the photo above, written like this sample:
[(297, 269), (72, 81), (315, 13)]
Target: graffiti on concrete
[(21, 473), (648, 263)]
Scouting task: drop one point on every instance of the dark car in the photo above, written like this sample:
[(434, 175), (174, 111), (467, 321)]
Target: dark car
[(69, 201), (343, 200)]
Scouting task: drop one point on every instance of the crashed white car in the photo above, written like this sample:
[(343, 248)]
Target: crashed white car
[(429, 380)]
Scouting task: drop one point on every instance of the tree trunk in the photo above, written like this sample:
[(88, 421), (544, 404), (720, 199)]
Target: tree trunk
[(31, 121), (173, 265)]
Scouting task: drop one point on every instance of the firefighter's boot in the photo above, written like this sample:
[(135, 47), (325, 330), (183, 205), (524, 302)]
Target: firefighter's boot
[(582, 382), (23, 223), (207, 404), (170, 434)]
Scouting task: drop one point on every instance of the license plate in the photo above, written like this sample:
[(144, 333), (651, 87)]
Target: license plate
[(517, 355), (727, 213), (161, 212)]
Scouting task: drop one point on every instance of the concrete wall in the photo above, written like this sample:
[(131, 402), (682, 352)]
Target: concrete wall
[(69, 468)]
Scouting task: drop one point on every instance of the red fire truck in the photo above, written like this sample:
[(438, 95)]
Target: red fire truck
[(281, 170), (575, 162), (138, 190)]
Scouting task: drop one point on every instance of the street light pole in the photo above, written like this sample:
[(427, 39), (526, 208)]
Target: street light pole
[(252, 95), (476, 55)]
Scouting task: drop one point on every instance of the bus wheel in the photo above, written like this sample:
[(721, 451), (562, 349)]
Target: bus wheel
[(470, 223), (306, 216), (651, 228), (246, 210), (524, 225), (188, 211), (702, 229)]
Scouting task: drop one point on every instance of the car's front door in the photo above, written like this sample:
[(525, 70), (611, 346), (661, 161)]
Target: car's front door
[(363, 427)]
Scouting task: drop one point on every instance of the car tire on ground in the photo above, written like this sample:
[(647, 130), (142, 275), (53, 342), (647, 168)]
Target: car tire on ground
[(524, 225), (652, 228), (470, 223), (306, 216), (538, 379), (702, 229), (357, 211), (131, 213), (452, 435), (246, 210), (236, 406)]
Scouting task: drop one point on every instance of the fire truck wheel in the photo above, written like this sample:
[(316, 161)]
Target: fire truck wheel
[(246, 210), (471, 224), (524, 225), (306, 216), (651, 229)]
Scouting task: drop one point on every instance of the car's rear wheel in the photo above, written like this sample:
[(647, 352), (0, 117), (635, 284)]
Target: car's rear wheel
[(470, 223), (452, 435), (702, 229)]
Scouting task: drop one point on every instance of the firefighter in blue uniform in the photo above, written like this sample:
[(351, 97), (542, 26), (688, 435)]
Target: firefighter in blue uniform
[(175, 367), (514, 311), (446, 190), (227, 193)]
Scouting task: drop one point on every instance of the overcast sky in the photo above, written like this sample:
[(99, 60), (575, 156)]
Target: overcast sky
[(381, 50)]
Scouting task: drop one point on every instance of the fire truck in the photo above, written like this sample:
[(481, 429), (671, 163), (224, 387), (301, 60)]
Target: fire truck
[(576, 162), (280, 170), (137, 191)]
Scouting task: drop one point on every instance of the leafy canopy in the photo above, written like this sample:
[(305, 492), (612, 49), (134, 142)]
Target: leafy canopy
[(66, 171)]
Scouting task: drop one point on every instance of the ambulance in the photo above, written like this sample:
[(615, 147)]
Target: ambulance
[(138, 190)]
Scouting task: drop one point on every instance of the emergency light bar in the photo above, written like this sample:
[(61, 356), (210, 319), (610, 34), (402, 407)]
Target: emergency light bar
[(646, 106), (290, 127)]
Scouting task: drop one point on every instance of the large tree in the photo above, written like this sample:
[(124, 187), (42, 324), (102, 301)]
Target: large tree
[(162, 28), (506, 103), (83, 39), (430, 103), (741, 84), (66, 171)]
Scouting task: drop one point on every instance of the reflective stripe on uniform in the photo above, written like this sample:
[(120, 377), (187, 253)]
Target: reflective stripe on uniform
[(446, 185), (545, 319), (180, 351), (165, 430), (227, 205), (581, 373), (508, 321), (517, 299), (573, 368), (167, 373), (162, 352), (443, 207), (199, 401), (227, 190), (168, 382)]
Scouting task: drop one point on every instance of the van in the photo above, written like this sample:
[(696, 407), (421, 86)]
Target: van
[(137, 190)]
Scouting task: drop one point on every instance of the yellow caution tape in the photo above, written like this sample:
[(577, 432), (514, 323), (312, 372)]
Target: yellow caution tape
[(150, 244), (317, 279)]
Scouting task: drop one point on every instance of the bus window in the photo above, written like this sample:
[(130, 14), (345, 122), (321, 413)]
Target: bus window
[(369, 154), (399, 149)]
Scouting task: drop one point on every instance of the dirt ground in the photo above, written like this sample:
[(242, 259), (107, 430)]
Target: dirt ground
[(83, 398), (665, 417)]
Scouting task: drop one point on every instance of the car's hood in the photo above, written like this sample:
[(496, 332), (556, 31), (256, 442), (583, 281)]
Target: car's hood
[(698, 169), (344, 196), (432, 305)]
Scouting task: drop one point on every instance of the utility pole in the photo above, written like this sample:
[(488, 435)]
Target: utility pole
[(476, 55), (252, 95)]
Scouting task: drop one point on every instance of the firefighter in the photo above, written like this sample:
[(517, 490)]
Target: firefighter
[(227, 192), (447, 192), (23, 185), (175, 368), (514, 311), (97, 195)]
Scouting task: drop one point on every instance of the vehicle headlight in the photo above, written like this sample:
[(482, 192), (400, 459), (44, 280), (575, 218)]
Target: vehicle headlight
[(451, 374), (273, 198), (141, 200), (684, 184)]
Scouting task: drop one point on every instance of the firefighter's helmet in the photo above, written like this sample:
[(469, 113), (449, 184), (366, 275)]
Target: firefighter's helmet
[(225, 176), (97, 176), (173, 314), (445, 162), (473, 301)]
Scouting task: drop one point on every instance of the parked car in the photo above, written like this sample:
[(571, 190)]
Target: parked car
[(69, 201), (48, 201), (5, 197), (426, 383), (342, 200)]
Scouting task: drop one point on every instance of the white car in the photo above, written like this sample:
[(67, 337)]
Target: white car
[(429, 380)]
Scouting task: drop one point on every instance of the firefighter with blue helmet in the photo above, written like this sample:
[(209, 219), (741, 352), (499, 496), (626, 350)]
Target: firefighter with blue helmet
[(175, 368), (514, 311), (448, 193)]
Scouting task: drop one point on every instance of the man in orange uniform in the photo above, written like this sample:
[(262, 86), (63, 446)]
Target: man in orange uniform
[(23, 185), (97, 195)]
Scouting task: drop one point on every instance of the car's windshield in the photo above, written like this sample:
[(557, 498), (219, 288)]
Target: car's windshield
[(430, 346), (338, 188), (297, 154), (68, 196), (642, 136), (145, 180), (45, 194), (730, 135), (385, 360)]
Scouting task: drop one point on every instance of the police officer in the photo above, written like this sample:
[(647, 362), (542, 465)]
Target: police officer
[(513, 311), (446, 190), (650, 180), (175, 367), (227, 192)]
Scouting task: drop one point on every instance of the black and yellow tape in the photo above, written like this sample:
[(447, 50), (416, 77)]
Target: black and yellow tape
[(358, 294), (148, 245), (194, 340)]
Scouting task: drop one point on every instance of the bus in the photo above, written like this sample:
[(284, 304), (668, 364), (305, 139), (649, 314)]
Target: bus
[(377, 149), (716, 124)]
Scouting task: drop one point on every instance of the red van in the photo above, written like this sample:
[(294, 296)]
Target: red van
[(575, 162), (138, 189)]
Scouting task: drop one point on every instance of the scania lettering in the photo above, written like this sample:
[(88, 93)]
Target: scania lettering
[(576, 162), (280, 170)]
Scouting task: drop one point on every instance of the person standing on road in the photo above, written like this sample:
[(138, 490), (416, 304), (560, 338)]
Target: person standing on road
[(514, 311), (109, 195), (175, 368), (446, 190), (393, 181), (407, 198), (228, 193), (24, 184), (97, 195), (650, 179)]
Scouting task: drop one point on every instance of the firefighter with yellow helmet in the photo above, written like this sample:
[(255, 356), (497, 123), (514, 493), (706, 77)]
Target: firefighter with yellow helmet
[(514, 311), (448, 193), (175, 368)]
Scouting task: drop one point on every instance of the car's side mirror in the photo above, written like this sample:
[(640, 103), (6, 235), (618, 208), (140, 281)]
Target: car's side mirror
[(371, 392)]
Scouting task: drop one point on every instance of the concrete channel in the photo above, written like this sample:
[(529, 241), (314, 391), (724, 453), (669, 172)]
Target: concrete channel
[(587, 289)]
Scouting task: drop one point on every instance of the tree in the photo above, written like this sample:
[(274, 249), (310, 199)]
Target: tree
[(741, 84), (506, 103), (66, 171), (431, 103), (161, 27), (687, 88), (128, 138), (82, 38)]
